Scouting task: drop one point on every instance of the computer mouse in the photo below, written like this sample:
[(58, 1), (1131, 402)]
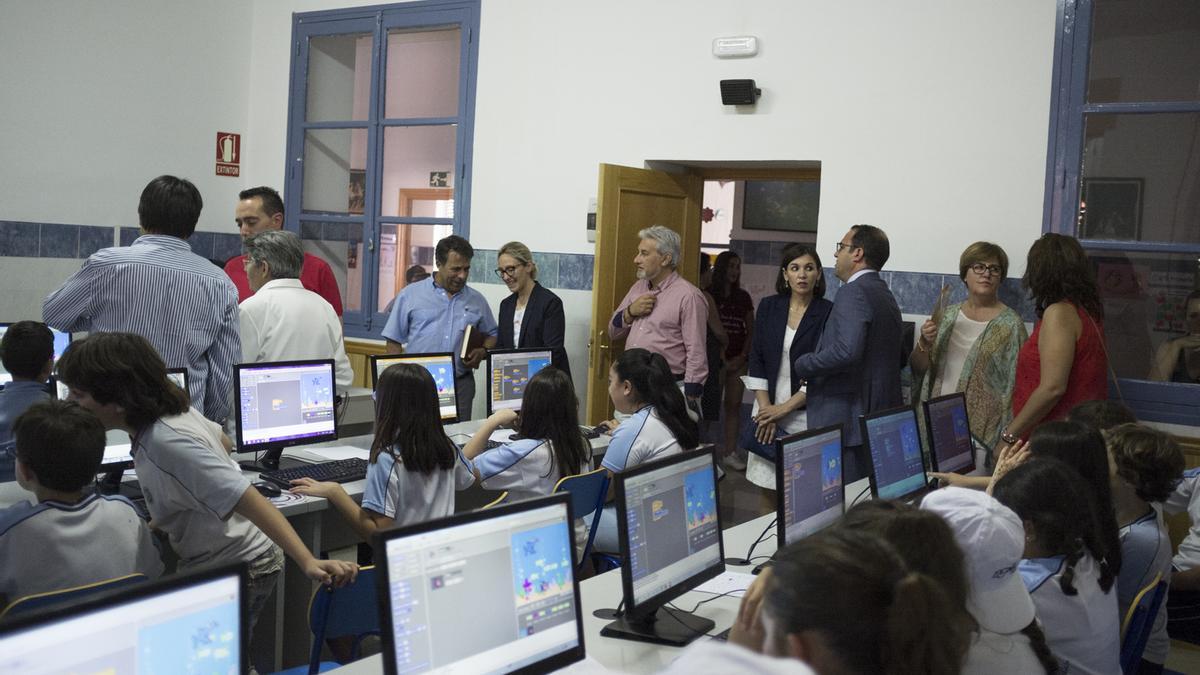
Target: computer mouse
[(267, 490)]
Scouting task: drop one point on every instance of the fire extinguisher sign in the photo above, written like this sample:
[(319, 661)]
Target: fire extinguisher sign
[(229, 154)]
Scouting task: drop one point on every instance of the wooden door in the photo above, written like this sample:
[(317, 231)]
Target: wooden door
[(629, 200)]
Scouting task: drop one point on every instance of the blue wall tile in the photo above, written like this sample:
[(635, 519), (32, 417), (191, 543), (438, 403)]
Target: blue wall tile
[(201, 243), (483, 266), (129, 234), (547, 264), (915, 292), (575, 271), (226, 246), (18, 239), (92, 238), (59, 241)]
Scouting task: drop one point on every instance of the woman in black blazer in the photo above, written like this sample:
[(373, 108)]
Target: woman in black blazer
[(532, 317), (792, 319)]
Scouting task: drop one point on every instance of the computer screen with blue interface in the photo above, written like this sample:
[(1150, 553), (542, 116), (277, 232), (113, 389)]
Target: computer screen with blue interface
[(949, 434), (194, 628), (895, 447), (509, 372), (440, 366), (489, 595), (671, 520), (284, 402), (809, 483), (61, 342)]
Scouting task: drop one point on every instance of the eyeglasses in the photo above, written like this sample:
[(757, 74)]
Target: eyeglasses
[(982, 269), (509, 271), (838, 249)]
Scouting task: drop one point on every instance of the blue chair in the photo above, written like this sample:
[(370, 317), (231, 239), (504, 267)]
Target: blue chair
[(37, 601), (502, 498), (587, 491), (350, 611), (1139, 623)]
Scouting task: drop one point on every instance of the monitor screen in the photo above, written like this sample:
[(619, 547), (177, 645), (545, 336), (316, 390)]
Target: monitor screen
[(509, 569), (117, 455), (949, 434), (61, 342), (897, 466), (509, 372), (671, 534), (808, 480), (179, 625), (440, 366), (284, 403)]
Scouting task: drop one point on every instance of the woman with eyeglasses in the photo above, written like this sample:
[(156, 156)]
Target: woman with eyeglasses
[(532, 317), (974, 346)]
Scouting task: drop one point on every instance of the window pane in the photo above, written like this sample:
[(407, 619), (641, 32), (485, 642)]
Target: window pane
[(422, 73), (340, 245), (416, 160), (1141, 178), (334, 170), (1145, 51), (1143, 296), (403, 249), (339, 78)]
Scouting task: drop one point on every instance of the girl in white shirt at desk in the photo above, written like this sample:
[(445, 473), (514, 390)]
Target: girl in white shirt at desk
[(1063, 567), (414, 467)]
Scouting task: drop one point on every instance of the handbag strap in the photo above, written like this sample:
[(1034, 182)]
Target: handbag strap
[(1107, 360)]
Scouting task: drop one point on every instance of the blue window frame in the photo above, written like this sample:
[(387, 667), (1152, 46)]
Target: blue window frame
[(1097, 81), (333, 143)]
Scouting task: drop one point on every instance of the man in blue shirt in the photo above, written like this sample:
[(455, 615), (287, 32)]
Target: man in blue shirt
[(431, 315), (27, 352)]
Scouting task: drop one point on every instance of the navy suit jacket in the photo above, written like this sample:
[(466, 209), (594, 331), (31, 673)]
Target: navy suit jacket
[(770, 323), (855, 369), (544, 325)]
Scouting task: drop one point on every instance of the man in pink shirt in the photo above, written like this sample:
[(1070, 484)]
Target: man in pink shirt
[(663, 313), (260, 209)]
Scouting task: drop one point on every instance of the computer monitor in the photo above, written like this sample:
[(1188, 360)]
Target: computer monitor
[(509, 372), (440, 365), (281, 404), (184, 623), (62, 340), (508, 570), (808, 482), (669, 524), (897, 467), (949, 432)]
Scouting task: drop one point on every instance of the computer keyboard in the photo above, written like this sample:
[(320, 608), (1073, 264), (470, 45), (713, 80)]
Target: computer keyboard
[(337, 471), (723, 635)]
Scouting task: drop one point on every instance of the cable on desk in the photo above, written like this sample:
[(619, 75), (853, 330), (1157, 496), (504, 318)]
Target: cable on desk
[(762, 537)]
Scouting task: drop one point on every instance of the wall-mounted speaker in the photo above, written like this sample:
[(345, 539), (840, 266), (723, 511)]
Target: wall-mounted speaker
[(739, 92)]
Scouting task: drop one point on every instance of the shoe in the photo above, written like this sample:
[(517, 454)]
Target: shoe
[(734, 463)]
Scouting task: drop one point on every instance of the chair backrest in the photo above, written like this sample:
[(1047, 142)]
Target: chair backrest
[(347, 611), (587, 491), (37, 601), (1139, 623), (496, 502)]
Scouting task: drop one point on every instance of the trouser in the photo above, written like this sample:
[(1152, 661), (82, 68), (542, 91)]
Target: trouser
[(464, 395), (264, 573), (856, 465)]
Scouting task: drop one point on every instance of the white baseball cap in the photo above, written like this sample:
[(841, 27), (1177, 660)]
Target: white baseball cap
[(992, 538)]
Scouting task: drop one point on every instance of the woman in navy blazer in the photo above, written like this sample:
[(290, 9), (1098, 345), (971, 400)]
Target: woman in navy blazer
[(792, 319), (532, 317)]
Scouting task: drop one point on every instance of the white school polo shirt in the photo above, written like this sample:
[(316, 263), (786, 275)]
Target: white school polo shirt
[(1187, 498), (1146, 551), (1084, 629), (409, 497), (640, 438)]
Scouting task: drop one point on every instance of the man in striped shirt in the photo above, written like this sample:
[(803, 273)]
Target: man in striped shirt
[(186, 307)]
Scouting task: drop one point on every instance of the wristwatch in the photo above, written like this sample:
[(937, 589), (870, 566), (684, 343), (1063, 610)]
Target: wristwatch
[(1008, 438)]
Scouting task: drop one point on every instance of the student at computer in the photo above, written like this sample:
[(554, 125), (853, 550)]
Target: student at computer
[(844, 601), (194, 490), (1147, 466), (414, 467), (27, 352), (1063, 566), (1007, 637), (69, 538)]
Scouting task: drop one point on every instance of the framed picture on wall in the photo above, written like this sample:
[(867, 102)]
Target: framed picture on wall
[(782, 205), (1111, 208), (357, 191)]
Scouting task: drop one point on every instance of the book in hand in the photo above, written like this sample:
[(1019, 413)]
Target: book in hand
[(473, 339)]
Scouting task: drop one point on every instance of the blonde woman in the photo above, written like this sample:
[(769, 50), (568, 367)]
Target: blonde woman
[(532, 316)]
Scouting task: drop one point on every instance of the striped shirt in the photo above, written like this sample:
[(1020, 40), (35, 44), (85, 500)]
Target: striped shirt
[(183, 304)]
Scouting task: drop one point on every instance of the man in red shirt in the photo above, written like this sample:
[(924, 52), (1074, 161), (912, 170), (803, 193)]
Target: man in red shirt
[(260, 209)]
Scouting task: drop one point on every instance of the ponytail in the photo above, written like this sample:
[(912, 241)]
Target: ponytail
[(1067, 581), (654, 385), (919, 621), (1037, 642)]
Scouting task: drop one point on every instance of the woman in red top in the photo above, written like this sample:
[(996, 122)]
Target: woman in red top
[(1064, 362)]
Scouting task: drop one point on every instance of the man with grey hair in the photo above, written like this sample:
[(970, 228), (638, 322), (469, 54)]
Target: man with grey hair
[(283, 321), (663, 313)]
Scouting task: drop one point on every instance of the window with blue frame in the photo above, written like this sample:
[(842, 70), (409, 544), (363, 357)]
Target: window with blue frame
[(1124, 177), (380, 121)]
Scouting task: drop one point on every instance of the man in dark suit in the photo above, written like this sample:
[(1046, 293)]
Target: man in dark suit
[(855, 369)]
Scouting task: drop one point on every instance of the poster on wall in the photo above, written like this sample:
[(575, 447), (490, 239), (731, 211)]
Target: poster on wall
[(229, 154), (357, 192)]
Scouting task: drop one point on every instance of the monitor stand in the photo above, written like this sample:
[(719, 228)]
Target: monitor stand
[(665, 626), (267, 460), (111, 484)]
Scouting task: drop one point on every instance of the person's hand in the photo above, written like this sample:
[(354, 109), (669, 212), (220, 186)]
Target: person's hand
[(643, 305), (747, 629), (504, 418), (336, 573), (1010, 457), (736, 363), (950, 479), (608, 426), (765, 433), (772, 413), (475, 357), (312, 488)]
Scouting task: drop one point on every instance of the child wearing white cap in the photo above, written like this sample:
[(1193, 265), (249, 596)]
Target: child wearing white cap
[(992, 539)]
